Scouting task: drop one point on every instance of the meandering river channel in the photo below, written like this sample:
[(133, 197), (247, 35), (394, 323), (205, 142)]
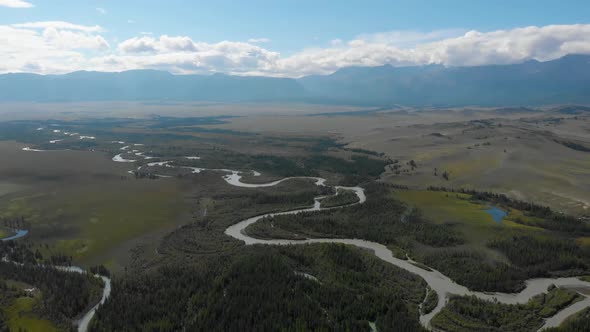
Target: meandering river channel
[(437, 281)]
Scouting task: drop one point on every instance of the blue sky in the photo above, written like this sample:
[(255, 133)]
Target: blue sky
[(289, 28), (293, 25)]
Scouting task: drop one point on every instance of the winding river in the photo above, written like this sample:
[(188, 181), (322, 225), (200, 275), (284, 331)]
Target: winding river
[(437, 281)]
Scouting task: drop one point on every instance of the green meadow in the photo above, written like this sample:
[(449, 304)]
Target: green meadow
[(89, 223), (21, 317), (468, 217)]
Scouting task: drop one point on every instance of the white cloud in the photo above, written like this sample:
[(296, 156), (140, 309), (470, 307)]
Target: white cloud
[(65, 39), (55, 47), (448, 47), (258, 40), (48, 47), (183, 55), (61, 25), (15, 4), (131, 21), (101, 11), (138, 45)]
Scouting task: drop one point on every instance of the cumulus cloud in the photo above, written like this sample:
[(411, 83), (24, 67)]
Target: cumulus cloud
[(449, 47), (65, 39), (50, 46), (183, 55), (15, 4)]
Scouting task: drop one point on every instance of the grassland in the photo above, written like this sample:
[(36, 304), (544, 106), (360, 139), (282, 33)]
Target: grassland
[(514, 151), (467, 217), (20, 316), (4, 233), (78, 202)]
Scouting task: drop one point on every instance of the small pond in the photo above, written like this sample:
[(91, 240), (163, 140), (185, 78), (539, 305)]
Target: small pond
[(496, 213)]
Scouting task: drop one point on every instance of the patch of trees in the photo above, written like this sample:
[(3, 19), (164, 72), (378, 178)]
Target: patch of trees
[(540, 256), (580, 323), (258, 290), (145, 175), (365, 151), (281, 166), (573, 145), (473, 314), (530, 257), (359, 169), (474, 271), (15, 252), (15, 222), (100, 270), (463, 314), (379, 220), (430, 302), (344, 197), (65, 294), (293, 197)]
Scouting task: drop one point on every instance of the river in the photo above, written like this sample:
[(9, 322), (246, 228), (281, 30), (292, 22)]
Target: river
[(437, 281)]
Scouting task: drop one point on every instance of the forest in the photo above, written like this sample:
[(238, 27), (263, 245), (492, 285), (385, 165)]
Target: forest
[(379, 220), (319, 287), (344, 197), (578, 323), (65, 295), (470, 313)]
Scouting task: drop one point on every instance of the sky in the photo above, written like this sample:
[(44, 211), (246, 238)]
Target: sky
[(283, 38)]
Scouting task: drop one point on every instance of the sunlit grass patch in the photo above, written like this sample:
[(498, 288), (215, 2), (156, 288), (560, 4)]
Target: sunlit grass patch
[(4, 233), (442, 207), (583, 241), (20, 316)]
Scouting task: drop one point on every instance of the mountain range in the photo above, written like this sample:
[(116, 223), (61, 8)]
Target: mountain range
[(562, 81)]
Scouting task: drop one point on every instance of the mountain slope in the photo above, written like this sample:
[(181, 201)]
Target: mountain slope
[(562, 81), (565, 80), (144, 85)]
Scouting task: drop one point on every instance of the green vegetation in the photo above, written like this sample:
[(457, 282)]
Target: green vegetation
[(19, 313), (178, 271), (263, 288), (430, 302), (62, 296), (538, 256), (474, 270), (499, 256), (344, 197), (91, 220), (577, 323), (379, 220), (472, 314), (4, 233)]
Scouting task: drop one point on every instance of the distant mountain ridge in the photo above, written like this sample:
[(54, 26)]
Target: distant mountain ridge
[(562, 81), (145, 85)]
